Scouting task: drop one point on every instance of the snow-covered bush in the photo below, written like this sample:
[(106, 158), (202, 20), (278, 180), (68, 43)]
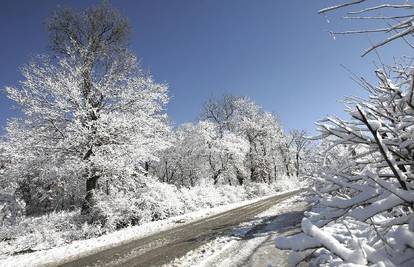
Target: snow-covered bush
[(160, 201), (11, 209), (234, 193), (205, 196), (154, 201), (46, 231), (283, 183), (363, 212), (286, 183), (258, 189)]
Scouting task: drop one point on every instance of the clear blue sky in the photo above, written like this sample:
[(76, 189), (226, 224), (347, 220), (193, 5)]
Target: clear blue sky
[(278, 53)]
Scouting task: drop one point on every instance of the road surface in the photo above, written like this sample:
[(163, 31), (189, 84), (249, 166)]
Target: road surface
[(165, 246), (252, 243)]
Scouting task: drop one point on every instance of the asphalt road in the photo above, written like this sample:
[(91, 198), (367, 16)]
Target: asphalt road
[(167, 245)]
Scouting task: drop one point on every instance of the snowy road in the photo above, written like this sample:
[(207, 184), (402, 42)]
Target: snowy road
[(163, 247), (251, 243)]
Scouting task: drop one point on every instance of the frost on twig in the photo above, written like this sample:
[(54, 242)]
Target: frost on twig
[(398, 20)]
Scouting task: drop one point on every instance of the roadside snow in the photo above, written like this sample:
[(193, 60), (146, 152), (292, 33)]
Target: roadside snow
[(81, 248), (251, 243)]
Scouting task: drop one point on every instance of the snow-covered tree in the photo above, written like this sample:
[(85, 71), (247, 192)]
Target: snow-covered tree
[(363, 209), (261, 129), (90, 114), (391, 20), (364, 214), (299, 143), (203, 153), (235, 142), (184, 162)]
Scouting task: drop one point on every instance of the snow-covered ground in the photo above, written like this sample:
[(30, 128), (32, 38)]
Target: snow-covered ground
[(251, 243), (82, 248)]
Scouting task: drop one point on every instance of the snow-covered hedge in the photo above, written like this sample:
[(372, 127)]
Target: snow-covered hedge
[(363, 210), (120, 209), (161, 200)]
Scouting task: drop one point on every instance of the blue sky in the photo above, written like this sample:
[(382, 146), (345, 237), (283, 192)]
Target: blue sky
[(278, 53)]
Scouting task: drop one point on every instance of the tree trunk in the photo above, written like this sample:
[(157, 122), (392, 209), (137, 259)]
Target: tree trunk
[(297, 164), (215, 179), (287, 169), (216, 176), (240, 178), (107, 187), (89, 202), (92, 177), (253, 174)]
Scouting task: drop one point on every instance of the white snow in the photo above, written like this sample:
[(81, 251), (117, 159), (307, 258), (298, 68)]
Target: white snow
[(78, 249), (244, 248), (353, 256)]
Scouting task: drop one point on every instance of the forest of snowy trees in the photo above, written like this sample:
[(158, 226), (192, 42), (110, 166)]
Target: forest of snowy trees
[(94, 151), (234, 142)]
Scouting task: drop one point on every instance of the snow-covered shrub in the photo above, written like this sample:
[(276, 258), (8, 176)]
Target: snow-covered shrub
[(118, 209), (257, 189), (282, 183), (234, 193), (11, 209), (161, 201), (221, 195), (44, 184), (46, 231), (206, 196), (286, 183), (363, 213), (155, 201), (195, 197)]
